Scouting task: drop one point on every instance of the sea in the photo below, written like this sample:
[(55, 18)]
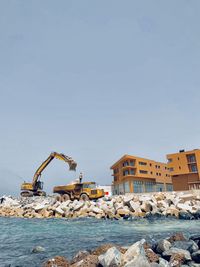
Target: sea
[(65, 237)]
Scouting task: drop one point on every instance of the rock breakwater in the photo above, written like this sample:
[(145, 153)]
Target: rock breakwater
[(177, 204), (174, 251)]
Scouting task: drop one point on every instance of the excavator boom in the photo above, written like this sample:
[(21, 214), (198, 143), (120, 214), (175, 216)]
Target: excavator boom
[(35, 187)]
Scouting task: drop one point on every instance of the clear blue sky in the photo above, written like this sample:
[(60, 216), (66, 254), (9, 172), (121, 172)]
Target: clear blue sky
[(95, 80)]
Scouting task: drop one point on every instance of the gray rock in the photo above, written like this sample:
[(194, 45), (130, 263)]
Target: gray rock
[(38, 249), (163, 245), (196, 256), (193, 264), (183, 215), (191, 246), (134, 251), (163, 263), (80, 256), (138, 261), (111, 258), (168, 253)]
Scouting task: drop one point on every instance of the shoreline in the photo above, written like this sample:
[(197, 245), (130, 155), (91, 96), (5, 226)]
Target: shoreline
[(173, 251), (181, 205)]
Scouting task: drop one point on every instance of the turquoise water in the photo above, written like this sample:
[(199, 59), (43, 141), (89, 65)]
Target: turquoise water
[(66, 237)]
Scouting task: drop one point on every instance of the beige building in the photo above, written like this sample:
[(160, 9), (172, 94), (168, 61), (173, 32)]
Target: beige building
[(184, 168), (136, 175)]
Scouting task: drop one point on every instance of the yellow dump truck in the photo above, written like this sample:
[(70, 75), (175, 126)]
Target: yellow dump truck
[(81, 191)]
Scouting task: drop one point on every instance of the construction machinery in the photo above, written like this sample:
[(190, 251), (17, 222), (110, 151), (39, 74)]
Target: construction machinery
[(36, 187), (78, 190)]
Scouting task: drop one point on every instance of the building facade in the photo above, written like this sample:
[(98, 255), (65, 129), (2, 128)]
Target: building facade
[(137, 175), (184, 169)]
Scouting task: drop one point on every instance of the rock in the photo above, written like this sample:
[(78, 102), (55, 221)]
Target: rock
[(134, 251), (123, 212), (163, 263), (88, 261), (151, 255), (196, 256), (57, 261), (97, 210), (177, 251), (177, 237), (59, 211), (103, 248), (197, 214), (184, 207), (185, 216), (134, 205), (127, 199), (38, 249), (188, 197), (193, 264), (111, 258), (80, 256), (163, 245), (79, 205), (138, 261), (190, 245), (177, 260), (40, 206), (196, 238), (172, 212)]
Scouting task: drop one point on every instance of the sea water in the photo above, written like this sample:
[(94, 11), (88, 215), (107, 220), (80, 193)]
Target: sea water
[(66, 237)]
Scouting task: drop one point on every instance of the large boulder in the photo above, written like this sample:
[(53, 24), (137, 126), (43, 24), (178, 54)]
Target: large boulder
[(139, 261), (177, 251), (57, 261), (190, 245), (134, 251), (163, 245), (111, 258), (80, 256), (184, 215), (196, 256)]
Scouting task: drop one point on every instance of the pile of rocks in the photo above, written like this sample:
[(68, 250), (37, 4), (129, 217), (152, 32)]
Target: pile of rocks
[(178, 204), (175, 251)]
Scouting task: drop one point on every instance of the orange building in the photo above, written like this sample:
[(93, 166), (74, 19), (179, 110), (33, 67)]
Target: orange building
[(184, 169), (136, 175)]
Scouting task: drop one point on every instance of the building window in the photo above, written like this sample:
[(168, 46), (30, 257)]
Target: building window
[(132, 172), (169, 187), (149, 186), (171, 169), (126, 187), (150, 164), (159, 174), (142, 163), (121, 189), (151, 172), (158, 166), (142, 171), (160, 187), (191, 158), (193, 168), (115, 178), (132, 163), (116, 171), (138, 187), (169, 160), (125, 163), (179, 167), (125, 173)]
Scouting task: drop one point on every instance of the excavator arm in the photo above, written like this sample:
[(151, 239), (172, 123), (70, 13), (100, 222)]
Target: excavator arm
[(69, 160), (35, 186)]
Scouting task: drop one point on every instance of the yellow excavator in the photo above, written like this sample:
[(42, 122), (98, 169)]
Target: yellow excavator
[(36, 187)]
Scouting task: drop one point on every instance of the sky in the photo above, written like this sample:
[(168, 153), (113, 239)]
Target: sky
[(95, 80)]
